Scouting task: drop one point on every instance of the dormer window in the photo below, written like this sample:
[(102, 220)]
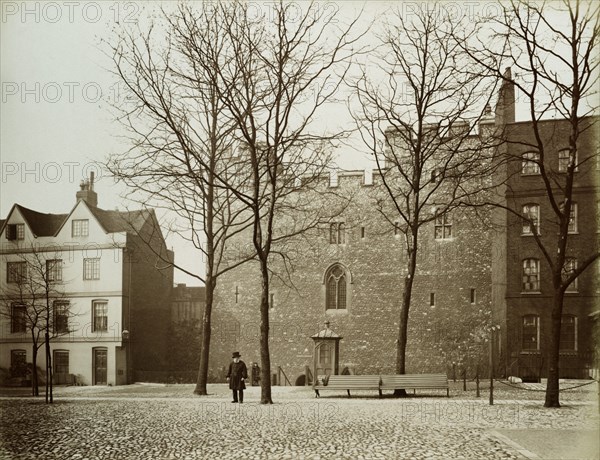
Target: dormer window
[(15, 232), (80, 227)]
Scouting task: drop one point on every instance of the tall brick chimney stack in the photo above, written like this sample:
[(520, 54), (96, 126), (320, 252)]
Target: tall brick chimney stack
[(505, 106), (86, 192)]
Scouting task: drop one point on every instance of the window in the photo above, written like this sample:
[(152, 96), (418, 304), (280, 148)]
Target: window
[(436, 175), (362, 232), (564, 158), (91, 269), (18, 318), (272, 301), (80, 227), (15, 232), (473, 296), (568, 269), (61, 317), (61, 362), (397, 227), (531, 275), (325, 353), (531, 219), (443, 227), (530, 163), (54, 269), (16, 272), (337, 233), (531, 333), (99, 316), (18, 363), (568, 333), (335, 280), (432, 299), (573, 219)]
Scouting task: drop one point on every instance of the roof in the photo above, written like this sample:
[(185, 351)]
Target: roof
[(41, 224), (111, 221), (327, 334), (120, 221)]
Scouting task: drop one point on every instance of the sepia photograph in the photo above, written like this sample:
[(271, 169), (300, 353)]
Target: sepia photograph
[(299, 229)]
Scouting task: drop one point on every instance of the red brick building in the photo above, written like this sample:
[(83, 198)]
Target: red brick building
[(522, 284)]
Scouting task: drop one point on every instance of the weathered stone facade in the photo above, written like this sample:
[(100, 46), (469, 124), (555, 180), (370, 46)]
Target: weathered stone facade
[(451, 298)]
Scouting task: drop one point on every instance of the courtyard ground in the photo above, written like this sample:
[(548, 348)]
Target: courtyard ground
[(151, 421)]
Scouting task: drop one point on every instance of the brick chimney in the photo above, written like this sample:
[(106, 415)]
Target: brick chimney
[(505, 107), (86, 192)]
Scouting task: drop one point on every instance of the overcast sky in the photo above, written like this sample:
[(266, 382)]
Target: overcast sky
[(56, 123)]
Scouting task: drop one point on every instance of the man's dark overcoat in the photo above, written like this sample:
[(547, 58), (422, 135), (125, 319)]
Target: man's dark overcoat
[(237, 371)]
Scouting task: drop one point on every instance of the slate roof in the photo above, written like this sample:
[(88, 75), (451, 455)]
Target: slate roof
[(42, 224), (111, 221), (120, 221)]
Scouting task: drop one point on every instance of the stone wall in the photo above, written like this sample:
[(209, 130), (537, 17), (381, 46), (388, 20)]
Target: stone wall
[(448, 331)]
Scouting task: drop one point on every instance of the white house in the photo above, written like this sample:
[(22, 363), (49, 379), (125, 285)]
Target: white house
[(109, 284)]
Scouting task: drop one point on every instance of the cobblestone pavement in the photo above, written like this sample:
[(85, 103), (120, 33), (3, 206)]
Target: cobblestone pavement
[(169, 422)]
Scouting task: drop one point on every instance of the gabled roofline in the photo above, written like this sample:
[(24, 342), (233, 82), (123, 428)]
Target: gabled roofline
[(73, 209), (7, 218)]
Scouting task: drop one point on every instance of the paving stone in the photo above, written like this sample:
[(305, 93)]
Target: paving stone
[(173, 424)]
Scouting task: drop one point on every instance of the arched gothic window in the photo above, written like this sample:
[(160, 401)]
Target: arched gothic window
[(336, 285)]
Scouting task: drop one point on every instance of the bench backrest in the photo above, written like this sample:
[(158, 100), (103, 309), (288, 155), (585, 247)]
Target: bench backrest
[(345, 381), (414, 380)]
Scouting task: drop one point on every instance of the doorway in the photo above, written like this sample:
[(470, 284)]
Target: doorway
[(100, 366), (61, 367), (325, 358)]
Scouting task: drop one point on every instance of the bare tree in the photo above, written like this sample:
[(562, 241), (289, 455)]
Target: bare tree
[(419, 105), (552, 48), (283, 73), (183, 139), (35, 303)]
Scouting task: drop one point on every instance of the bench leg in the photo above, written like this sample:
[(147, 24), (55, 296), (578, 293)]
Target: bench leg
[(349, 393), (317, 395), (380, 393), (447, 392)]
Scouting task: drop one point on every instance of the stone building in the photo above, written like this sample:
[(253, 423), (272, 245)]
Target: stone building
[(349, 271), (475, 270)]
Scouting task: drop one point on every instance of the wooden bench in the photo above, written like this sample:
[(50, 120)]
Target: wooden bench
[(414, 382), (349, 382)]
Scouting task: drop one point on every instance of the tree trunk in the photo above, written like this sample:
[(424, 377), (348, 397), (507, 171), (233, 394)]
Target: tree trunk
[(206, 331), (35, 391), (552, 388), (49, 398), (403, 327), (265, 359)]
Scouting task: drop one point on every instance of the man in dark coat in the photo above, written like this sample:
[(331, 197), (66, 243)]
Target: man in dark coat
[(236, 375)]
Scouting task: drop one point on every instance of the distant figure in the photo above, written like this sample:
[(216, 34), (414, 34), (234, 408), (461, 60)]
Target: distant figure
[(255, 374), (235, 376)]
